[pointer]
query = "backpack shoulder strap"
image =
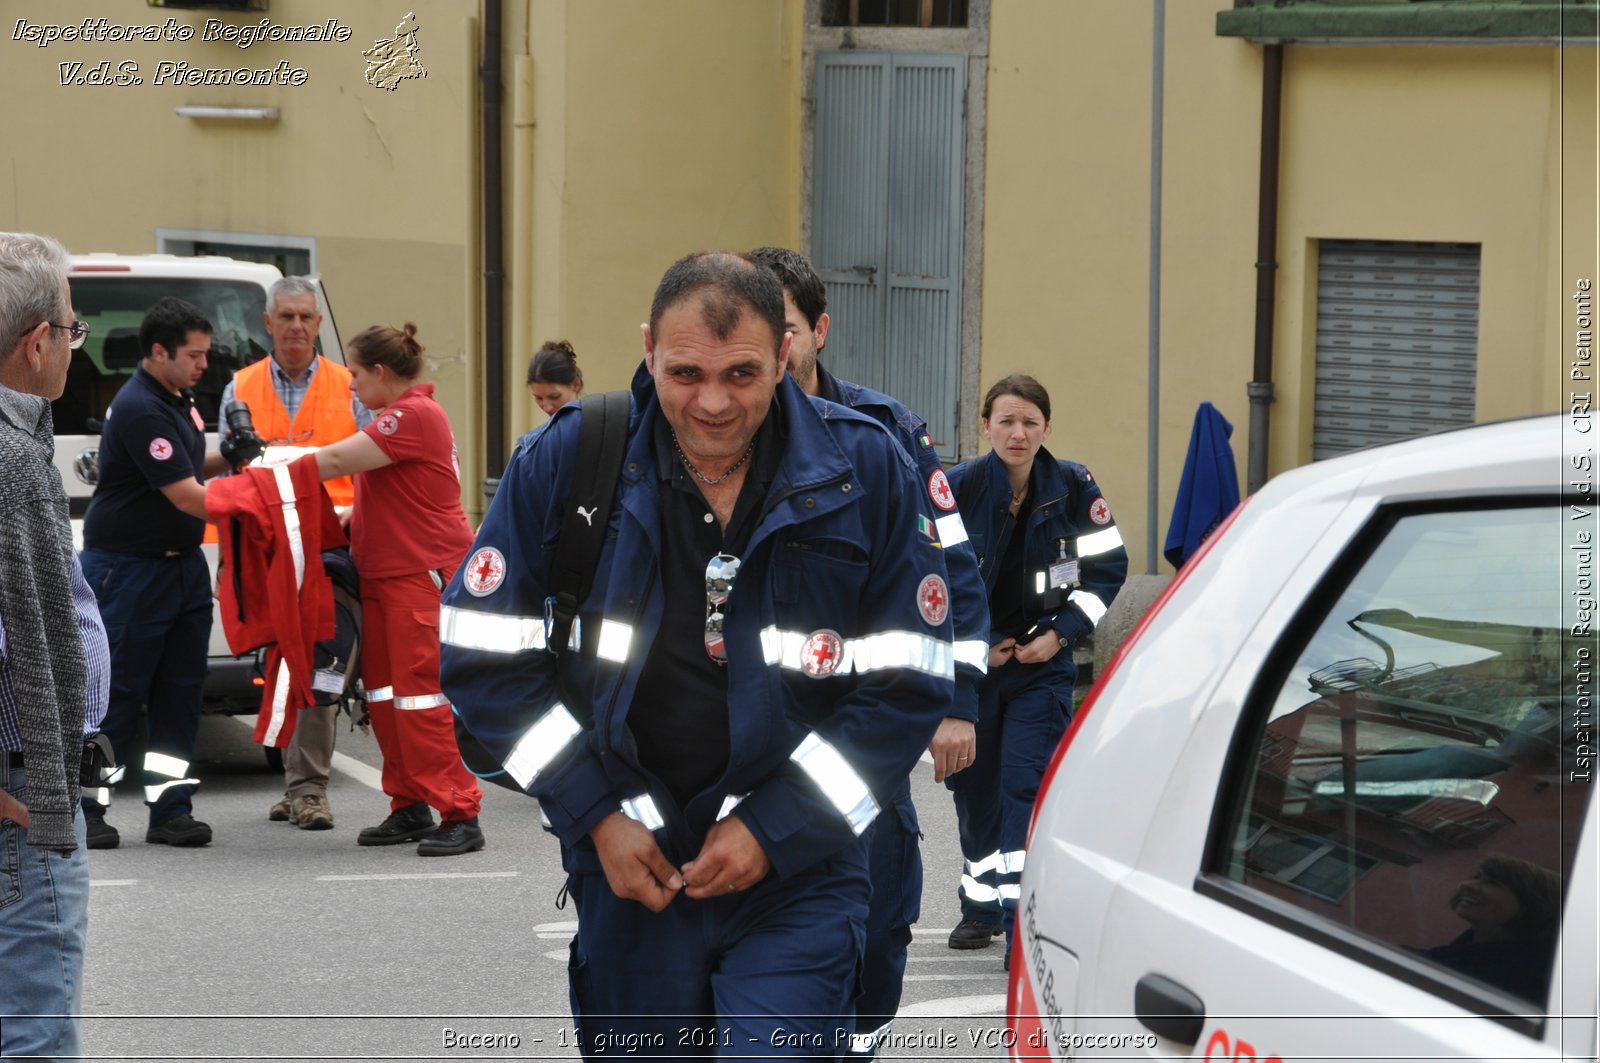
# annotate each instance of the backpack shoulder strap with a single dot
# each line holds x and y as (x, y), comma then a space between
(602, 442)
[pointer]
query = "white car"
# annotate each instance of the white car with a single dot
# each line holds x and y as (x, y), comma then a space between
(1334, 797)
(111, 294)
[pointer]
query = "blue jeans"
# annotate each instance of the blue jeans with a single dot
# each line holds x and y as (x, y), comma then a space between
(44, 919)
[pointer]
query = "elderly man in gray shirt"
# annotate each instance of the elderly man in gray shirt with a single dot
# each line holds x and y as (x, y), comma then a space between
(54, 666)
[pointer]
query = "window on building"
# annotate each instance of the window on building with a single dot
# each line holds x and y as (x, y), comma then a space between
(1403, 782)
(295, 256)
(1397, 341)
(923, 14)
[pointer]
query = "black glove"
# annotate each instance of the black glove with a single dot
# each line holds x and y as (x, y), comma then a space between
(241, 448)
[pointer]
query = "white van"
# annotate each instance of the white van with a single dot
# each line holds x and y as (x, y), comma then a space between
(111, 293)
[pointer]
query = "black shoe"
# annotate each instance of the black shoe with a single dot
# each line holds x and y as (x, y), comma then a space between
(182, 830)
(102, 835)
(454, 837)
(974, 934)
(405, 825)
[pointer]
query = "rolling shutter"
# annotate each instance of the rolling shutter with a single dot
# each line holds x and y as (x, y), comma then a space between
(1397, 341)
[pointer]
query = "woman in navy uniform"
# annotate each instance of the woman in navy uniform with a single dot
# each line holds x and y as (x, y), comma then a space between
(1052, 560)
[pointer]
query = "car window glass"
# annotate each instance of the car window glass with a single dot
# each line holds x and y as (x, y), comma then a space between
(1408, 783)
(114, 304)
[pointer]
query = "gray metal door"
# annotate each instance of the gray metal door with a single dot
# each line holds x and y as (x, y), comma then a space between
(886, 224)
(1397, 341)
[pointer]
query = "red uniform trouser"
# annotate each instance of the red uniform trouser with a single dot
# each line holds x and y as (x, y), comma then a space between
(411, 718)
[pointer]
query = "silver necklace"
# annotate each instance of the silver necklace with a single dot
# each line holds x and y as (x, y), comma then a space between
(702, 477)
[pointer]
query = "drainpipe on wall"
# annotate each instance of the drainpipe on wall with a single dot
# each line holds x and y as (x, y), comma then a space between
(494, 274)
(1153, 324)
(1260, 388)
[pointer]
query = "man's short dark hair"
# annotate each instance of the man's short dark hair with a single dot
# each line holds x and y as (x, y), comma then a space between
(794, 271)
(726, 284)
(169, 323)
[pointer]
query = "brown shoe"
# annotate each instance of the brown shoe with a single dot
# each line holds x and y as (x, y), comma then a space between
(280, 812)
(312, 812)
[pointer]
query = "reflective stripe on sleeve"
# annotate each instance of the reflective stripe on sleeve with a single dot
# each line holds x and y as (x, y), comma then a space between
(421, 701)
(539, 745)
(730, 803)
(380, 694)
(615, 640)
(837, 781)
(867, 653)
(974, 653)
(952, 530)
(642, 809)
(1099, 542)
(491, 632)
(291, 521)
(279, 710)
(1090, 603)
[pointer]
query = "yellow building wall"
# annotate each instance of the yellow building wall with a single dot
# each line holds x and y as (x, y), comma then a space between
(1066, 228)
(1448, 144)
(657, 130)
(379, 178)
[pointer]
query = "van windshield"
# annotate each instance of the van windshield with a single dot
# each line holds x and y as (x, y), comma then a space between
(114, 304)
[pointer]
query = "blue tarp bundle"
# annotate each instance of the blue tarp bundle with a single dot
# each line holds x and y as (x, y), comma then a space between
(1209, 489)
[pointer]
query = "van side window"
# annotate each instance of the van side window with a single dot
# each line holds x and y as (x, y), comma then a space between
(1405, 779)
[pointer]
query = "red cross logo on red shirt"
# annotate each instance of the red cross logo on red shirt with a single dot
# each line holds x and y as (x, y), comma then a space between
(933, 599)
(485, 571)
(820, 656)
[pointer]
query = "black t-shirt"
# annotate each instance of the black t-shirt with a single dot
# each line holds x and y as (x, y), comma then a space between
(679, 716)
(151, 438)
(1010, 583)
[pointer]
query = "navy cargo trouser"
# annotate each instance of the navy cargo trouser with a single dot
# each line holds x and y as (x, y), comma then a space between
(768, 971)
(895, 864)
(1023, 710)
(157, 612)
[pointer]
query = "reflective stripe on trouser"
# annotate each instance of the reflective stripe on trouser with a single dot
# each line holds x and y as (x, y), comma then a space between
(171, 772)
(157, 612)
(767, 971)
(1022, 714)
(410, 718)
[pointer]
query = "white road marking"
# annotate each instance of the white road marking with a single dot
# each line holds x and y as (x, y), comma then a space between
(113, 882)
(361, 773)
(571, 927)
(952, 1007)
(358, 771)
(418, 875)
(559, 957)
(981, 957)
(997, 973)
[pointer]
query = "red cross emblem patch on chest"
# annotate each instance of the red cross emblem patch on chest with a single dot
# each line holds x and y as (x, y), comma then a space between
(821, 654)
(933, 599)
(485, 571)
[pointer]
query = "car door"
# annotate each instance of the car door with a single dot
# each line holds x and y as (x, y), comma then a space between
(1382, 817)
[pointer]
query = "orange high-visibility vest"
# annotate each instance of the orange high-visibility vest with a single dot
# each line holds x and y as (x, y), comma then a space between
(324, 416)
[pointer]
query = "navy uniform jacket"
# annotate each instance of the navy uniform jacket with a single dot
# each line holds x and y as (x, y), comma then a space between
(838, 635)
(1067, 505)
(968, 599)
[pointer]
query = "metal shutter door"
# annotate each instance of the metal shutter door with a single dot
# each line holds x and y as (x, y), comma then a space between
(1397, 341)
(886, 230)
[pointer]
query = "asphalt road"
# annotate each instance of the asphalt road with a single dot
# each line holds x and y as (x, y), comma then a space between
(274, 943)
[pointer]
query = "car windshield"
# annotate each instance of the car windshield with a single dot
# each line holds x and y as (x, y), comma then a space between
(114, 304)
